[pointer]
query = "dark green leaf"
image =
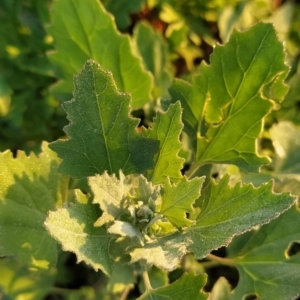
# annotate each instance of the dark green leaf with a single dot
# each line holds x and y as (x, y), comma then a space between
(228, 211)
(122, 10)
(267, 265)
(102, 135)
(188, 286)
(87, 31)
(155, 54)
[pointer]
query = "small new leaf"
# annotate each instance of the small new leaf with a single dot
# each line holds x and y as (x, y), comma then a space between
(116, 196)
(73, 227)
(102, 135)
(177, 200)
(110, 193)
(228, 211)
(188, 286)
(163, 252)
(125, 229)
(167, 129)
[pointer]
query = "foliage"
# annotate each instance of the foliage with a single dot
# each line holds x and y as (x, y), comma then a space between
(181, 155)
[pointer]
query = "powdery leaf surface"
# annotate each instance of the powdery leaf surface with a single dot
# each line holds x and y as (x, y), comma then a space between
(102, 136)
(110, 193)
(164, 252)
(114, 195)
(73, 227)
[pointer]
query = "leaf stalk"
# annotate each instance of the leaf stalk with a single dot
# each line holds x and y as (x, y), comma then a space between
(221, 260)
(146, 280)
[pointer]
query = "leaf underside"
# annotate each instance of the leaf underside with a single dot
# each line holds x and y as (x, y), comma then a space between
(73, 227)
(162, 252)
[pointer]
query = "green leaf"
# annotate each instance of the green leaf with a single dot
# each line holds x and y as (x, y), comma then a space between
(117, 196)
(188, 286)
(122, 10)
(221, 290)
(192, 106)
(244, 76)
(164, 252)
(167, 129)
(285, 167)
(125, 229)
(155, 54)
(233, 96)
(266, 266)
(29, 187)
(228, 211)
(110, 193)
(177, 200)
(85, 32)
(102, 135)
(17, 282)
(230, 18)
(123, 275)
(289, 107)
(73, 227)
(157, 277)
(286, 140)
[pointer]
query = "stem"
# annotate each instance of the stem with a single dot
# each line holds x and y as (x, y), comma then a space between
(146, 280)
(209, 264)
(221, 260)
(160, 216)
(191, 172)
(125, 292)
